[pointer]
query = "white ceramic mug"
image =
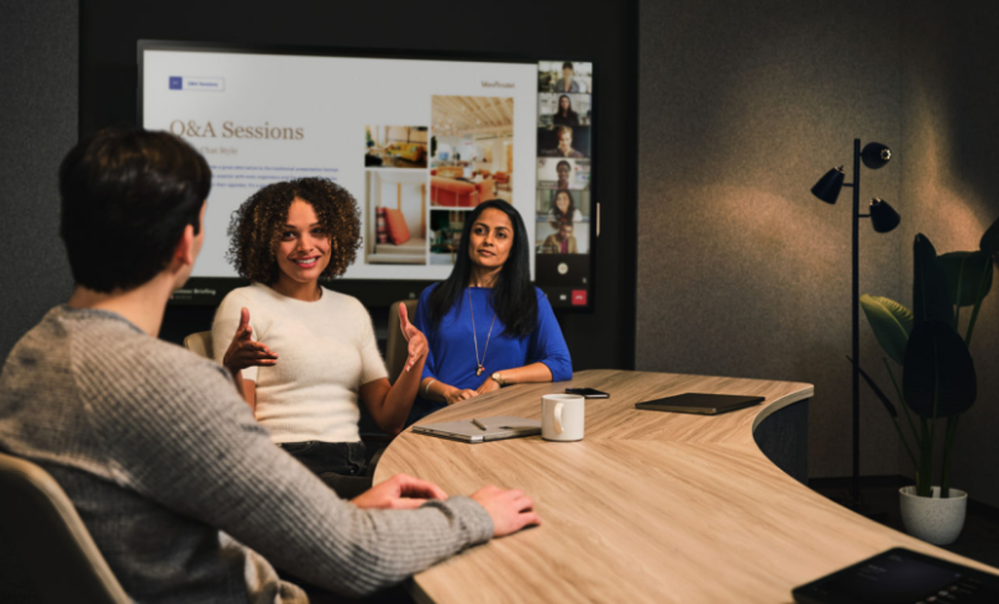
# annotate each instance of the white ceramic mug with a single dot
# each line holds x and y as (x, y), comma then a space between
(562, 417)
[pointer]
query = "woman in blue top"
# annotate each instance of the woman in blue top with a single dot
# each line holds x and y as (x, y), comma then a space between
(486, 325)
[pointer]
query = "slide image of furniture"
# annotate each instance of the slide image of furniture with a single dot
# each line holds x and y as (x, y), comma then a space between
(455, 193)
(395, 217)
(472, 143)
(445, 235)
(395, 147)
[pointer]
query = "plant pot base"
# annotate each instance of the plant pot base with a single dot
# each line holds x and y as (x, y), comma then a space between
(932, 519)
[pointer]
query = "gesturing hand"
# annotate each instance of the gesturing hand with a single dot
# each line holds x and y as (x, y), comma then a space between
(243, 352)
(417, 341)
(401, 492)
(510, 510)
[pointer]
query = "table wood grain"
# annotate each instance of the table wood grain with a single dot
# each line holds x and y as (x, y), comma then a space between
(648, 507)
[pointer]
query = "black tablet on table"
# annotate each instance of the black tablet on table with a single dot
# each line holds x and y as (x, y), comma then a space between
(704, 404)
(901, 576)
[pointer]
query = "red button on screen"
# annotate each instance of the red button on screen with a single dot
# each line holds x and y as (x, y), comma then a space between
(579, 297)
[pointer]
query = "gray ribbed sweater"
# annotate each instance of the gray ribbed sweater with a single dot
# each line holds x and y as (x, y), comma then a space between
(172, 476)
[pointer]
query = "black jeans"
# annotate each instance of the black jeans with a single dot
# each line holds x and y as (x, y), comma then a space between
(342, 466)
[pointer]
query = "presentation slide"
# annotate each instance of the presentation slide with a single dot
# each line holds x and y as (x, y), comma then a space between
(419, 143)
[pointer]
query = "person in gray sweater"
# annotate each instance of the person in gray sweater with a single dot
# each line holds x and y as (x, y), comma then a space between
(183, 492)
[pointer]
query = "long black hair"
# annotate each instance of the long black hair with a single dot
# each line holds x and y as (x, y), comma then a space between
(513, 296)
(569, 118)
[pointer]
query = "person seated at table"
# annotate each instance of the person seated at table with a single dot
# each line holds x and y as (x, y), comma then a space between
(565, 116)
(486, 325)
(563, 209)
(562, 242)
(306, 355)
(181, 490)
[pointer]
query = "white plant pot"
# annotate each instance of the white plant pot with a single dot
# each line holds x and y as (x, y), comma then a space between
(932, 519)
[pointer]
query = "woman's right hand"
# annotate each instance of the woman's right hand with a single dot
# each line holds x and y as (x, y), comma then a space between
(454, 395)
(244, 352)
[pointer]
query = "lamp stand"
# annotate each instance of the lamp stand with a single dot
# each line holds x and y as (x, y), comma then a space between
(855, 500)
(884, 219)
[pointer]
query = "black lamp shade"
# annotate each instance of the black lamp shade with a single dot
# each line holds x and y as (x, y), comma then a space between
(875, 155)
(884, 218)
(828, 187)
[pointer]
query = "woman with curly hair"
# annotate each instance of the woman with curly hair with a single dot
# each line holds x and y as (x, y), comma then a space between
(303, 355)
(487, 325)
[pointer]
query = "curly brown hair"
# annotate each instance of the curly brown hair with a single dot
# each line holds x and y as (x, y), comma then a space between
(256, 227)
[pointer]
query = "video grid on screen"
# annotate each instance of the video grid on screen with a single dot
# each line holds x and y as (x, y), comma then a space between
(564, 210)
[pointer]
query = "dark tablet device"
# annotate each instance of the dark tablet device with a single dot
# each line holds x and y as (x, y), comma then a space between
(587, 392)
(705, 404)
(900, 576)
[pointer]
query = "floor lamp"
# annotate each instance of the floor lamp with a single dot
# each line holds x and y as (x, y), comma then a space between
(884, 218)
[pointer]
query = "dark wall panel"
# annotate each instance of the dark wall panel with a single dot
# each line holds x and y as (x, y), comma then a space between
(742, 107)
(951, 144)
(38, 108)
(741, 270)
(38, 123)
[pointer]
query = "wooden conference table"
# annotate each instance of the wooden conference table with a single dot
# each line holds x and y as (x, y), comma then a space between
(648, 507)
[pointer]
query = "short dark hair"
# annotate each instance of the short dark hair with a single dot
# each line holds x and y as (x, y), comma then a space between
(256, 227)
(513, 296)
(568, 65)
(563, 163)
(127, 196)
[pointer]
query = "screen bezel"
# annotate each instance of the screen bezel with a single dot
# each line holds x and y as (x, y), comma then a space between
(209, 291)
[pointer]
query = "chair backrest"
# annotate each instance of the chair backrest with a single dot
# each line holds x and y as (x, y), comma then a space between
(200, 343)
(50, 540)
(396, 347)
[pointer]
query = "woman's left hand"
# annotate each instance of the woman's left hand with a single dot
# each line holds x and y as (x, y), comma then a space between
(488, 386)
(417, 341)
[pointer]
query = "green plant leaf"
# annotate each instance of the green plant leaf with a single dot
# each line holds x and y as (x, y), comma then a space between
(971, 271)
(877, 391)
(891, 323)
(989, 244)
(931, 300)
(938, 377)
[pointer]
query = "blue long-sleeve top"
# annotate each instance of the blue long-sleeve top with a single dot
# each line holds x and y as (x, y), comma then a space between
(451, 358)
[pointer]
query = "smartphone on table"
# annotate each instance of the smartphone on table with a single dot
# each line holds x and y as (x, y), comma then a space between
(587, 392)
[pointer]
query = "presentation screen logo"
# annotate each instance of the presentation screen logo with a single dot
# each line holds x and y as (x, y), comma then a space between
(191, 83)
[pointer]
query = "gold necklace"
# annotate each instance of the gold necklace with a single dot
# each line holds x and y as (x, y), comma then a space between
(479, 363)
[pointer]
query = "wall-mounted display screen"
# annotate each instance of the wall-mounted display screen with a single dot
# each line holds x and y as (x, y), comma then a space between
(418, 142)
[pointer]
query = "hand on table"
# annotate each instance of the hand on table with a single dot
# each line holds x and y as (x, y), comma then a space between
(488, 386)
(454, 395)
(243, 352)
(510, 510)
(417, 341)
(401, 492)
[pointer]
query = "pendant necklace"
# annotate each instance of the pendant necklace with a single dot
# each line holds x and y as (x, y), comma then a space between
(480, 364)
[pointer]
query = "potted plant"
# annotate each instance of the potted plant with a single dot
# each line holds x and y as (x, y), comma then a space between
(938, 373)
